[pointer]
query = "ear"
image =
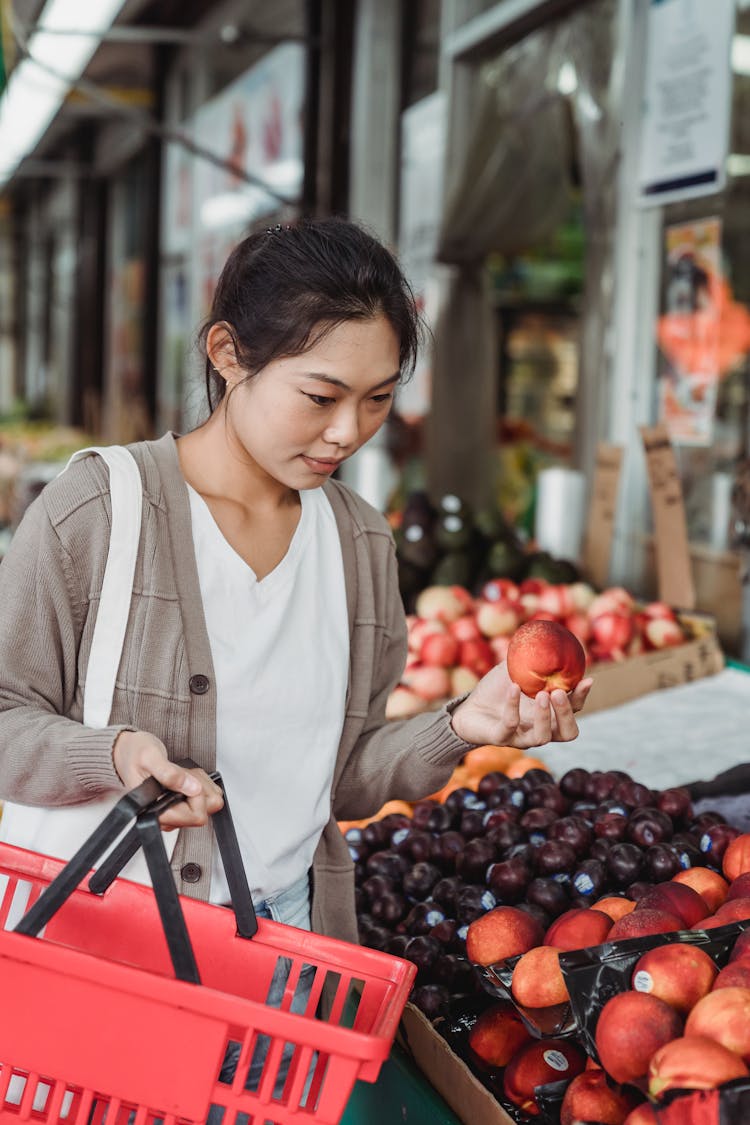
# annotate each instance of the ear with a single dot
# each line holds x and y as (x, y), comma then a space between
(221, 352)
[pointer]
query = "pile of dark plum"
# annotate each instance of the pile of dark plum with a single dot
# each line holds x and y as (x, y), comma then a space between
(531, 842)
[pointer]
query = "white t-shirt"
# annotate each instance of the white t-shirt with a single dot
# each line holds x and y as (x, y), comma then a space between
(280, 650)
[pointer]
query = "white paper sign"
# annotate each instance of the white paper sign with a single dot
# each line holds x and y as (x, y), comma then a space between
(687, 99)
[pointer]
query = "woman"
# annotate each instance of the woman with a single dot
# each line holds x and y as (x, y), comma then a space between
(266, 629)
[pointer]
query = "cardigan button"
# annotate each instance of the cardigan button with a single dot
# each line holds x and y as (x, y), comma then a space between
(199, 684)
(191, 872)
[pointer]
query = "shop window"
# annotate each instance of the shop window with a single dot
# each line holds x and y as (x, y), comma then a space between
(703, 328)
(534, 201)
(421, 49)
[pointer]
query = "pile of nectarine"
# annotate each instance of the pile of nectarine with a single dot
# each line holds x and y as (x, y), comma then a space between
(455, 638)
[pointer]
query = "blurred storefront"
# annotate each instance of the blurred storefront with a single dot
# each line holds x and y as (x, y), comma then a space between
(503, 148)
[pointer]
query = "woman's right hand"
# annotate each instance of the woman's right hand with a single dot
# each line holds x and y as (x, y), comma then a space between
(137, 755)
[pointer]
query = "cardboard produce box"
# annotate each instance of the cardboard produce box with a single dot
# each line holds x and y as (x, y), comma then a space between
(620, 681)
(451, 1077)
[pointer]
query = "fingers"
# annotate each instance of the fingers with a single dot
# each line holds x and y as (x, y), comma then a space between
(566, 727)
(580, 693)
(196, 810)
(138, 755)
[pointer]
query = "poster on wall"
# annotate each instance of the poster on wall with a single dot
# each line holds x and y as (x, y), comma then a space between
(688, 331)
(703, 333)
(256, 128)
(687, 99)
(422, 151)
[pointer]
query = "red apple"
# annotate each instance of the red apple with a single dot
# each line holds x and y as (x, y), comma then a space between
(463, 680)
(680, 974)
(723, 1015)
(630, 1028)
(403, 703)
(442, 603)
(739, 887)
(497, 619)
(500, 646)
(421, 629)
(659, 609)
(615, 599)
(544, 655)
(579, 625)
(581, 596)
(662, 632)
(536, 1064)
(431, 683)
(498, 588)
(612, 630)
(692, 1062)
(465, 628)
(556, 600)
(476, 655)
(439, 650)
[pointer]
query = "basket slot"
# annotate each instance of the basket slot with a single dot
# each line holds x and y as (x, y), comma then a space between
(299, 1071)
(351, 1012)
(16, 899)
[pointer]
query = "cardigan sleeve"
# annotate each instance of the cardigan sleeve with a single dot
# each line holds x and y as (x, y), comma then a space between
(405, 759)
(46, 758)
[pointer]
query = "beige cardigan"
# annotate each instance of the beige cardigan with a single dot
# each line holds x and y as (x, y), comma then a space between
(50, 582)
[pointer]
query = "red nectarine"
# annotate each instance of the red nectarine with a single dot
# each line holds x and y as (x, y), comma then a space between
(631, 1026)
(692, 1062)
(676, 898)
(678, 973)
(503, 932)
(736, 859)
(589, 1097)
(537, 979)
(579, 928)
(709, 884)
(723, 1015)
(499, 1032)
(734, 975)
(639, 923)
(544, 655)
(539, 1062)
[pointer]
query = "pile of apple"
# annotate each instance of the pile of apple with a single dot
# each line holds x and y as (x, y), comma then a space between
(455, 638)
(683, 1024)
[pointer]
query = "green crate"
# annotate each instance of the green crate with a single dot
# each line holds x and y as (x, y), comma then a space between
(401, 1096)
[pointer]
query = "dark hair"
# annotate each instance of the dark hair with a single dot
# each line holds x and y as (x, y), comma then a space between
(284, 288)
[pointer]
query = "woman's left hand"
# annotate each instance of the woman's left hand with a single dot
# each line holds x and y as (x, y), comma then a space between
(496, 713)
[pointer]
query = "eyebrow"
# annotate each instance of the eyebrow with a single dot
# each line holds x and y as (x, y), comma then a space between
(345, 386)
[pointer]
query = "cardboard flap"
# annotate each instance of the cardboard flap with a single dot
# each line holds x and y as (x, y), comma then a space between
(674, 571)
(597, 545)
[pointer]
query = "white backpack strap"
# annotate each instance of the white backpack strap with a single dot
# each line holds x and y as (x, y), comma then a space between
(126, 492)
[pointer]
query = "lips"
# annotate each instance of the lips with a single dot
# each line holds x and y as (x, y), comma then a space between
(321, 465)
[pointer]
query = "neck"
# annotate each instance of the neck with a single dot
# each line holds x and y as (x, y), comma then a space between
(214, 463)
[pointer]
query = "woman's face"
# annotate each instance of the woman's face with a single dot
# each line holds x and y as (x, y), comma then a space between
(301, 416)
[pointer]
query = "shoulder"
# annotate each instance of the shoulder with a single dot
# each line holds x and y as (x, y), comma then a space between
(349, 506)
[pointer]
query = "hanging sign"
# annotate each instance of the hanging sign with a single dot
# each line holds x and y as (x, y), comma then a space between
(687, 99)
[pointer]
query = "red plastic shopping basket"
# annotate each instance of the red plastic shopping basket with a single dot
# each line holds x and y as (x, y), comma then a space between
(95, 1027)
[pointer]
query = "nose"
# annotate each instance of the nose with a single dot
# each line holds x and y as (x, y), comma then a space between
(343, 427)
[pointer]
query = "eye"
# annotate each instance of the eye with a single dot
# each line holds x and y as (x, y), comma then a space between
(321, 400)
(380, 399)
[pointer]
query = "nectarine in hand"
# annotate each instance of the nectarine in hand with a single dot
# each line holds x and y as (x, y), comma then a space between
(543, 656)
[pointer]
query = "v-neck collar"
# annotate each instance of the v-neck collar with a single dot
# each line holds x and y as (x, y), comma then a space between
(286, 566)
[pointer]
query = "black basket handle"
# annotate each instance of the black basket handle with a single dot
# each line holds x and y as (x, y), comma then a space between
(144, 805)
